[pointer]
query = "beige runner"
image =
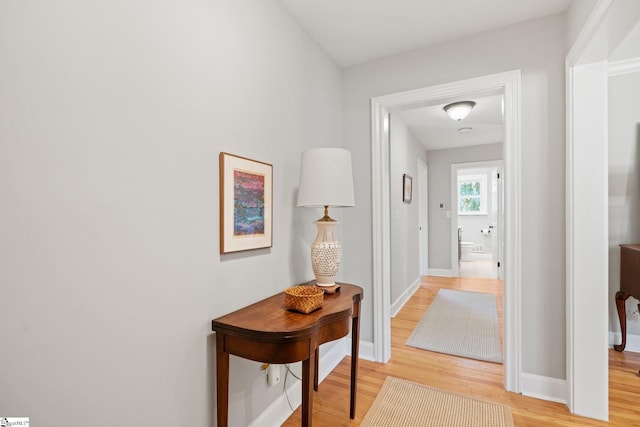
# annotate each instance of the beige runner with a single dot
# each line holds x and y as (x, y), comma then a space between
(404, 403)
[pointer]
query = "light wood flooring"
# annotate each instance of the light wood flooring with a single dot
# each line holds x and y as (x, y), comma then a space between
(460, 375)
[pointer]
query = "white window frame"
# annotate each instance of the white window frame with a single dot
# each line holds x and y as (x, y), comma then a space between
(482, 178)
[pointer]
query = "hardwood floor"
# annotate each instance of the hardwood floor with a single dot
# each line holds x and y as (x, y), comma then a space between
(460, 375)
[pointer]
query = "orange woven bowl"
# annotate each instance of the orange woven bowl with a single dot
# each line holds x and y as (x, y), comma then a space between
(303, 299)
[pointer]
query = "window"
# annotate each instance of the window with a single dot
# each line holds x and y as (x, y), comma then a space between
(472, 194)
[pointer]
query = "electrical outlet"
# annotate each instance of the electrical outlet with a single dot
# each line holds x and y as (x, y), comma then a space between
(273, 374)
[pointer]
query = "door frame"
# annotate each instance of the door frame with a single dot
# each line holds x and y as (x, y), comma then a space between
(587, 204)
(455, 167)
(423, 216)
(510, 83)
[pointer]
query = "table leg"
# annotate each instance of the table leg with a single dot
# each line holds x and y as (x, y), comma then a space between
(355, 345)
(307, 389)
(621, 297)
(639, 311)
(222, 382)
(315, 370)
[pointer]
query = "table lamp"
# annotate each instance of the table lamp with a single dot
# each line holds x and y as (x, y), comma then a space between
(326, 179)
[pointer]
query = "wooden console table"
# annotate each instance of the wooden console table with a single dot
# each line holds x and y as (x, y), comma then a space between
(629, 286)
(267, 332)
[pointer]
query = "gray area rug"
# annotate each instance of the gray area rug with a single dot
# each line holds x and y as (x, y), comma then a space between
(460, 323)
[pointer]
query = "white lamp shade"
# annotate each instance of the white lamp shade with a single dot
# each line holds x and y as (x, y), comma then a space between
(459, 110)
(326, 178)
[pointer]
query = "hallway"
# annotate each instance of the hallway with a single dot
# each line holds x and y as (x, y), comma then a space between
(465, 376)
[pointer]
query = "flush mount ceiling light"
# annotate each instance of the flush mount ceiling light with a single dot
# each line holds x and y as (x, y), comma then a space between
(459, 110)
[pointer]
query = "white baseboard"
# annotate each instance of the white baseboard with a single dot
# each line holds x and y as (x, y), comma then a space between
(544, 388)
(440, 272)
(402, 300)
(633, 341)
(365, 351)
(479, 255)
(278, 412)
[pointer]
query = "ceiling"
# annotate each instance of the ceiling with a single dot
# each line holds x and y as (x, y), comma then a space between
(355, 31)
(436, 130)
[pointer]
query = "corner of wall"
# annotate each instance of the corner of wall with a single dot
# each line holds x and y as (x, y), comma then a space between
(397, 305)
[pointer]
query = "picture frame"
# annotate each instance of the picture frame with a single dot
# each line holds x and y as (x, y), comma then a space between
(407, 184)
(246, 204)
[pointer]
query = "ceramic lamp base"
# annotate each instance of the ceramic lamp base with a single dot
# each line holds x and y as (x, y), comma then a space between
(326, 253)
(326, 285)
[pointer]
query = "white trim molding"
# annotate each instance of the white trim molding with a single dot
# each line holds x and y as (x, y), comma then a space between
(544, 388)
(365, 351)
(440, 272)
(381, 233)
(633, 341)
(587, 242)
(587, 73)
(509, 84)
(279, 411)
(626, 66)
(402, 300)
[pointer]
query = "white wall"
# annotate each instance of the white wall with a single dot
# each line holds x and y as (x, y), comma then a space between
(629, 48)
(439, 162)
(509, 48)
(577, 15)
(624, 184)
(405, 246)
(112, 115)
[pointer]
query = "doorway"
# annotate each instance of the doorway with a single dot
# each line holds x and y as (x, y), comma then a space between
(587, 192)
(508, 84)
(477, 215)
(423, 217)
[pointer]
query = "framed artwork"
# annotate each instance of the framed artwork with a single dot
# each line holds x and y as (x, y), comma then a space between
(246, 204)
(407, 183)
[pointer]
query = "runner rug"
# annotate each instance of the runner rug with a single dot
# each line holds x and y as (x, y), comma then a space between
(402, 403)
(460, 323)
